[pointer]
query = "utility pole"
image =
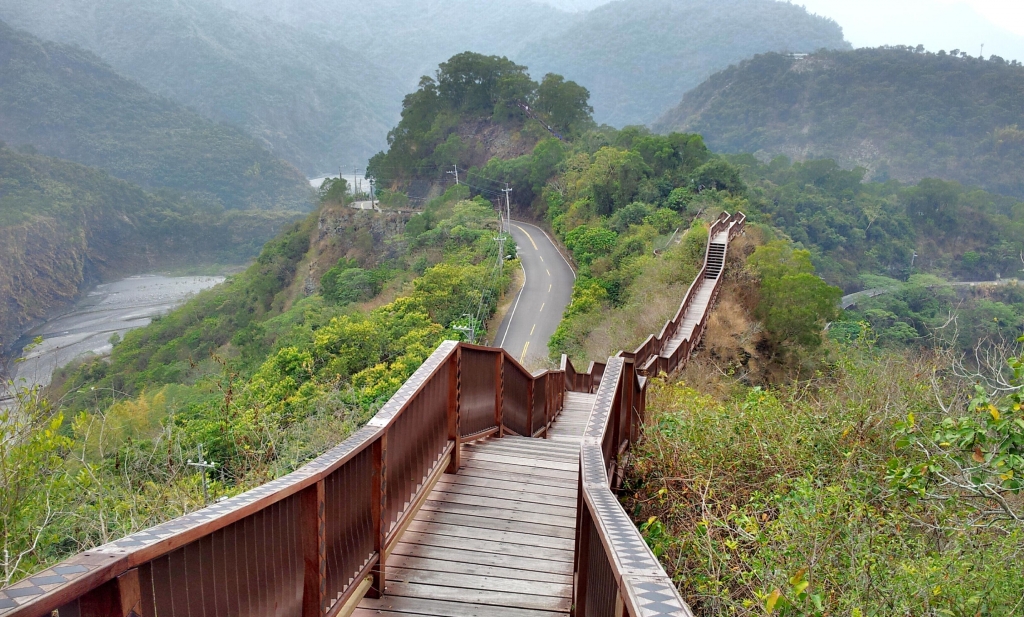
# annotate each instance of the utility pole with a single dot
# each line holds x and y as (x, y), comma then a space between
(373, 193)
(501, 253)
(355, 180)
(508, 208)
(203, 465)
(469, 330)
(456, 172)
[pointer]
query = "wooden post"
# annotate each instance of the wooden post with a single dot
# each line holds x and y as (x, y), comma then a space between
(121, 597)
(582, 557)
(499, 365)
(313, 530)
(379, 512)
(548, 389)
(454, 404)
(530, 389)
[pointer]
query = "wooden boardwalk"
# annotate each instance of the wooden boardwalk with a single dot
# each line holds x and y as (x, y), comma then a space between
(698, 308)
(496, 538)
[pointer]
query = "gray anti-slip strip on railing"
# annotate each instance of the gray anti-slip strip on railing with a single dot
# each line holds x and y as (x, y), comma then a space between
(640, 576)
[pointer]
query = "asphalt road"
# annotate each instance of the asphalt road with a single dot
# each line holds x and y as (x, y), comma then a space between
(851, 299)
(538, 308)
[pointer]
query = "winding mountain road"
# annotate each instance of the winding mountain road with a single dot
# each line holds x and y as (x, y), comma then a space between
(538, 308)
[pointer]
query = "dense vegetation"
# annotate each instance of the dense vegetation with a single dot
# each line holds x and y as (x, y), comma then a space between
(900, 113)
(925, 308)
(259, 373)
(826, 497)
(66, 103)
(64, 226)
(861, 228)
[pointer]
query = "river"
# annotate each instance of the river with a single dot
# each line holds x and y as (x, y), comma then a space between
(106, 310)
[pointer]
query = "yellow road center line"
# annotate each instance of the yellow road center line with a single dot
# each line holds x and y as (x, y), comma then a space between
(523, 356)
(549, 288)
(541, 258)
(542, 307)
(528, 236)
(532, 329)
(548, 271)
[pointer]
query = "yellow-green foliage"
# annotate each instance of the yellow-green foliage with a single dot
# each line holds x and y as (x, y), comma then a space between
(776, 501)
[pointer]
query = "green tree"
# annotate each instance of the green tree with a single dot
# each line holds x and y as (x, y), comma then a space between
(33, 482)
(565, 103)
(795, 304)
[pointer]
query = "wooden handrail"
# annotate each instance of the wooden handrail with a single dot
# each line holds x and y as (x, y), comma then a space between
(313, 542)
(615, 572)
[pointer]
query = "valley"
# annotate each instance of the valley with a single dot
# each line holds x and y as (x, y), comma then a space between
(98, 321)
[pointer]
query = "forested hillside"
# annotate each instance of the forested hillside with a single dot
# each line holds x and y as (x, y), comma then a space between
(638, 57)
(899, 113)
(65, 102)
(64, 226)
(313, 102)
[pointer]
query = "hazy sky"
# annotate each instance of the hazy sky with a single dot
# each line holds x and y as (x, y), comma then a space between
(936, 24)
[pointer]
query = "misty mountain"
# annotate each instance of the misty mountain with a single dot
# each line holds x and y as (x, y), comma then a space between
(410, 37)
(638, 57)
(899, 114)
(66, 103)
(320, 82)
(312, 101)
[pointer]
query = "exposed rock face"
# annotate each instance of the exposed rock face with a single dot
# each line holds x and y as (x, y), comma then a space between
(368, 237)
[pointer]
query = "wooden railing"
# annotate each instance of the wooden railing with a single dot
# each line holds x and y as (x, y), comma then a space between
(652, 356)
(615, 572)
(314, 542)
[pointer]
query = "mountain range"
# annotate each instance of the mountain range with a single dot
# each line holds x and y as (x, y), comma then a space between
(319, 82)
(65, 102)
(900, 113)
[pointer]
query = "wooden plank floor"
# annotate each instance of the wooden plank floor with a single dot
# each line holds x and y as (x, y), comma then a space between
(496, 538)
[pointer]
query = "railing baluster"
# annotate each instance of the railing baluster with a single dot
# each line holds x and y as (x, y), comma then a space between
(313, 528)
(499, 367)
(120, 597)
(454, 417)
(380, 525)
